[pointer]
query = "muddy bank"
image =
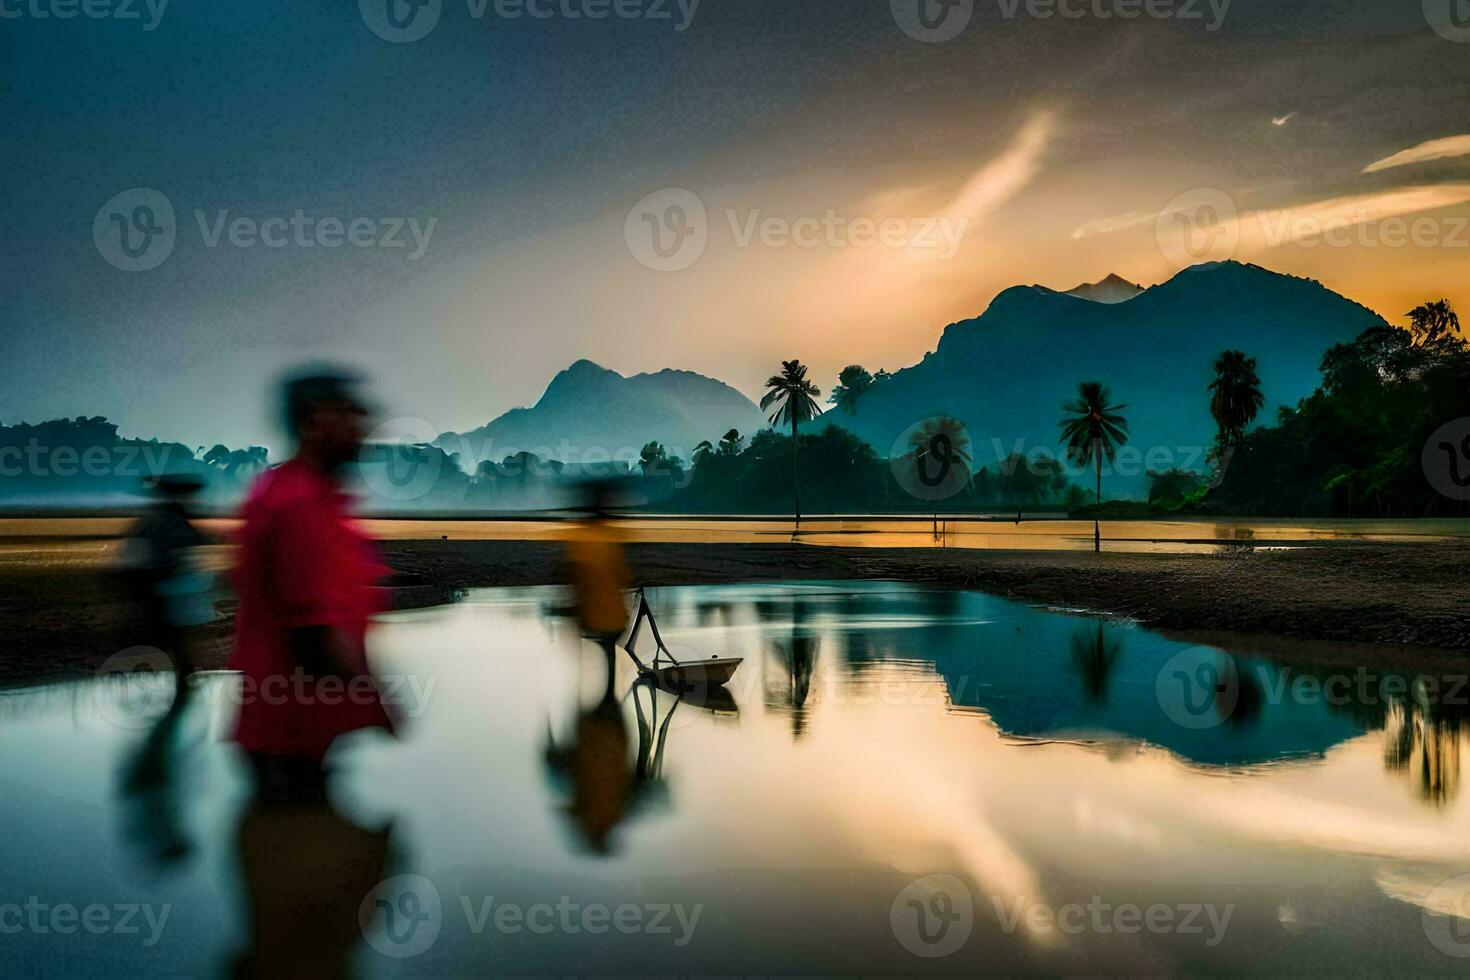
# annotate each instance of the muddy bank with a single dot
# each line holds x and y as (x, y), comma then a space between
(1402, 604)
(1398, 594)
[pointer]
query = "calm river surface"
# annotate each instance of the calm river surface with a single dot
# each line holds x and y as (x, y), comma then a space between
(899, 781)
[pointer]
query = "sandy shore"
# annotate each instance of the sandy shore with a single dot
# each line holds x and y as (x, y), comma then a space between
(1409, 600)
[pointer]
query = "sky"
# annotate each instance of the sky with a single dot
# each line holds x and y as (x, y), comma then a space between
(461, 198)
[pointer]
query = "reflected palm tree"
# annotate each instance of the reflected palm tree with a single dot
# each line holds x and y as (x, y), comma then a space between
(1250, 698)
(1094, 656)
(797, 658)
(1424, 749)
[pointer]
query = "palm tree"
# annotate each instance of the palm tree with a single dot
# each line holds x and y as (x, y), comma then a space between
(1093, 429)
(851, 383)
(795, 400)
(732, 443)
(1237, 396)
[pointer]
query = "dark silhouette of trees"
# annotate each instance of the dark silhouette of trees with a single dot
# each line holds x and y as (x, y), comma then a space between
(852, 382)
(1431, 323)
(1354, 447)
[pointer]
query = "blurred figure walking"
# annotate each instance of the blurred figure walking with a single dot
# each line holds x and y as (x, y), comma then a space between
(306, 583)
(599, 572)
(171, 589)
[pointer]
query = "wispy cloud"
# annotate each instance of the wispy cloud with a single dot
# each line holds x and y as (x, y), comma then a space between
(1280, 226)
(1443, 149)
(1118, 222)
(1006, 175)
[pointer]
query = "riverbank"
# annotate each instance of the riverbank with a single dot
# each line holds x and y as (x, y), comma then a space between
(63, 616)
(1406, 595)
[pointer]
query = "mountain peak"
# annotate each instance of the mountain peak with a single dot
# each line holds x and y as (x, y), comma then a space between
(1112, 289)
(584, 366)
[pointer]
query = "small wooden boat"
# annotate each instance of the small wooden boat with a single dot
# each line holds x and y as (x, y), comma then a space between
(696, 675)
(670, 673)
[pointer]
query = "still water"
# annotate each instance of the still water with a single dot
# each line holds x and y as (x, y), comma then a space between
(899, 780)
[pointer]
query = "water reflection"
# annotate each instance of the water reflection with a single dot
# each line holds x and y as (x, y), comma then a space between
(1024, 751)
(1424, 749)
(1094, 656)
(790, 669)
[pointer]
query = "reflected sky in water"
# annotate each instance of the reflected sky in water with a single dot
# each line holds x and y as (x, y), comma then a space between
(875, 734)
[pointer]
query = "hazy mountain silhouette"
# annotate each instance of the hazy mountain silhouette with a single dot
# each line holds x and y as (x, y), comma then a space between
(1006, 373)
(1113, 289)
(588, 407)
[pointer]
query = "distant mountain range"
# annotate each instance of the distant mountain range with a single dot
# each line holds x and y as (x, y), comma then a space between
(590, 413)
(1006, 373)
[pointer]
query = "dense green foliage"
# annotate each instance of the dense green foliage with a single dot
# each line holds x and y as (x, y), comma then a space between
(841, 473)
(1353, 448)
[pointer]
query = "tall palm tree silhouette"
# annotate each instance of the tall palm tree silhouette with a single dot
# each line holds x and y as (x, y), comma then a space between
(1237, 397)
(792, 398)
(1093, 429)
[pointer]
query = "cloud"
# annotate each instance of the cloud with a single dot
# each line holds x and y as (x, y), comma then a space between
(1106, 226)
(1305, 222)
(1006, 175)
(1451, 146)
